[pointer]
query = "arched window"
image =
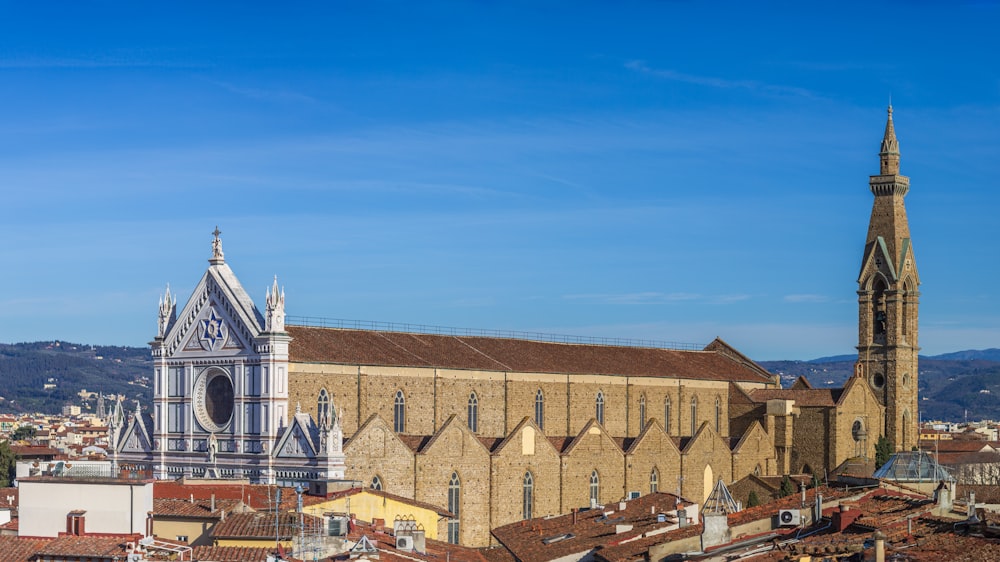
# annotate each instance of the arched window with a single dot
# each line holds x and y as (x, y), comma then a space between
(718, 415)
(666, 414)
(454, 506)
(323, 407)
(473, 413)
(399, 413)
(529, 495)
(654, 481)
(642, 412)
(599, 407)
(595, 488)
(376, 483)
(540, 409)
(694, 415)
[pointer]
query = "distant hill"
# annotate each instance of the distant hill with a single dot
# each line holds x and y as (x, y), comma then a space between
(45, 376)
(991, 354)
(953, 386)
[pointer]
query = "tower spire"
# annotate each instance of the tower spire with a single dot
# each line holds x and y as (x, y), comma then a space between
(889, 152)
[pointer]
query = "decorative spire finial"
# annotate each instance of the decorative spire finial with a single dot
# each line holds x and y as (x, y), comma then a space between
(889, 152)
(168, 314)
(217, 256)
(274, 320)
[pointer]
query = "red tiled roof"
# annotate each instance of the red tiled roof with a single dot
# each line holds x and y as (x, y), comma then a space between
(231, 553)
(263, 525)
(257, 496)
(396, 349)
(415, 442)
(200, 508)
(8, 497)
(16, 549)
(86, 546)
(527, 539)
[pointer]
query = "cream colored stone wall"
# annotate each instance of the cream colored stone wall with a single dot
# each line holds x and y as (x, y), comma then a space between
(527, 450)
(583, 391)
(522, 388)
(375, 450)
(378, 394)
(453, 393)
(595, 450)
(655, 449)
(456, 450)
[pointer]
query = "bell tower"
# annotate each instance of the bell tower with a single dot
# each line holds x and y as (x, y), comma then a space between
(888, 298)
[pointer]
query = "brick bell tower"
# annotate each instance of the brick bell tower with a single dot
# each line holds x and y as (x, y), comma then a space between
(888, 298)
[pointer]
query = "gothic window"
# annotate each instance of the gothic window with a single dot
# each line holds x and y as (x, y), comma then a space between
(666, 414)
(323, 406)
(718, 415)
(595, 488)
(399, 413)
(654, 481)
(473, 413)
(642, 412)
(529, 498)
(376, 483)
(599, 403)
(879, 317)
(694, 415)
(756, 470)
(540, 409)
(454, 506)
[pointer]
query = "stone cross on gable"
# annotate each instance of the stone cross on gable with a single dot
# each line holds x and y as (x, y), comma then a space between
(217, 245)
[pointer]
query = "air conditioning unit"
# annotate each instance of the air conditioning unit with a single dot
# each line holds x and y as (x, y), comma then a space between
(634, 495)
(789, 517)
(404, 542)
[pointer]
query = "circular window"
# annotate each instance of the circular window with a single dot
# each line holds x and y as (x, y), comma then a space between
(213, 400)
(858, 431)
(878, 380)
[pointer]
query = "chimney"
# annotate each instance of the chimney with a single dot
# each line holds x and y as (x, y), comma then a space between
(574, 516)
(192, 498)
(879, 546)
(212, 508)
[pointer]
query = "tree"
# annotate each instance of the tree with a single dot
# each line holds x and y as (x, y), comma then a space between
(23, 433)
(752, 499)
(883, 450)
(8, 465)
(787, 488)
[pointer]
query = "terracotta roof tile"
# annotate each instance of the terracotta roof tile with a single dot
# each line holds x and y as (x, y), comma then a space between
(263, 525)
(86, 546)
(200, 508)
(231, 553)
(16, 549)
(352, 347)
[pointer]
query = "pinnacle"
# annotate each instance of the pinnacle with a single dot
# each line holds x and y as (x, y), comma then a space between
(889, 143)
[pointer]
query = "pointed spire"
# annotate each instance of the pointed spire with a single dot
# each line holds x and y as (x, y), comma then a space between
(218, 257)
(168, 314)
(889, 152)
(274, 320)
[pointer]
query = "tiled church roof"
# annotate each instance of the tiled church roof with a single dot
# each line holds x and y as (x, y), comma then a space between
(397, 349)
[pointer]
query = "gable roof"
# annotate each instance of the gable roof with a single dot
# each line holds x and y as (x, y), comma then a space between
(603, 434)
(399, 349)
(525, 421)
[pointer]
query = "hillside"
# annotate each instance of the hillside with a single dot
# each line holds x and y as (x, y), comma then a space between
(45, 376)
(951, 385)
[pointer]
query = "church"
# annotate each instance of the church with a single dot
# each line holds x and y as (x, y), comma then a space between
(499, 429)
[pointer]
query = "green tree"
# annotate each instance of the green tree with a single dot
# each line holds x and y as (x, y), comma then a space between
(883, 450)
(752, 499)
(23, 433)
(787, 488)
(8, 466)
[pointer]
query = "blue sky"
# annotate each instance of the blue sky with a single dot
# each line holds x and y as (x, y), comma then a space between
(661, 170)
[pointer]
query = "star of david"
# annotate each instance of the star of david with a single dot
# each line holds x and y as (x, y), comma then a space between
(212, 330)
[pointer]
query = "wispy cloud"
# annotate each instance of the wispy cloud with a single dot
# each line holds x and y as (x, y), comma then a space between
(652, 297)
(99, 61)
(753, 86)
(806, 298)
(264, 94)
